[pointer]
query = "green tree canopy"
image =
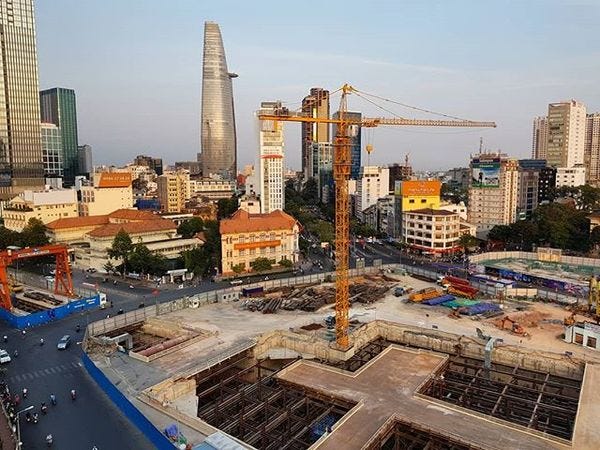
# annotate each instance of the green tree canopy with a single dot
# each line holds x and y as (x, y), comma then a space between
(189, 228)
(121, 248)
(285, 263)
(261, 264)
(202, 260)
(142, 260)
(33, 234)
(226, 207)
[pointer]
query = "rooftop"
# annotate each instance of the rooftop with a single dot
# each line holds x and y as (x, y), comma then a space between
(144, 226)
(432, 212)
(243, 222)
(77, 222)
(132, 214)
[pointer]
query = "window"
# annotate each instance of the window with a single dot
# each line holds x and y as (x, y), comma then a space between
(412, 200)
(579, 338)
(423, 200)
(591, 342)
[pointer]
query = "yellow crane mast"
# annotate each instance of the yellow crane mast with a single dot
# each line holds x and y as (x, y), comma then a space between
(341, 174)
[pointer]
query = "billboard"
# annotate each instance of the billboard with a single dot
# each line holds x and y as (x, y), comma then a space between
(418, 188)
(485, 173)
(114, 180)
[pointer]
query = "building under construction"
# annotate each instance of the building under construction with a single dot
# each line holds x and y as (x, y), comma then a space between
(398, 387)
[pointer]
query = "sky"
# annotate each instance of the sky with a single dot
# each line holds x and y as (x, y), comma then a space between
(136, 67)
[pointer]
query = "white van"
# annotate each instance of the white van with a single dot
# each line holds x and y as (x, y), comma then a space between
(236, 281)
(103, 301)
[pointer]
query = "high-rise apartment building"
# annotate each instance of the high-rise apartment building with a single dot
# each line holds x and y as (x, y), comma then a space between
(540, 138)
(529, 184)
(218, 138)
(21, 162)
(86, 164)
(316, 104)
(173, 191)
(592, 149)
(52, 151)
(566, 134)
(373, 183)
(320, 167)
(399, 172)
(355, 141)
(272, 186)
(494, 191)
(58, 106)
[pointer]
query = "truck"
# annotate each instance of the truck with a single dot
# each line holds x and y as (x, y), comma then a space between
(102, 297)
(253, 291)
(425, 294)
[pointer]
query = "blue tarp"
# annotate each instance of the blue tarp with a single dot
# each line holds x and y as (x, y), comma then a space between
(480, 308)
(439, 300)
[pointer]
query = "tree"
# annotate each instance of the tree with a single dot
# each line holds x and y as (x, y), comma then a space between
(500, 233)
(467, 241)
(261, 264)
(189, 228)
(109, 267)
(142, 260)
(34, 234)
(226, 207)
(238, 268)
(286, 263)
(202, 260)
(8, 237)
(310, 193)
(595, 238)
(121, 248)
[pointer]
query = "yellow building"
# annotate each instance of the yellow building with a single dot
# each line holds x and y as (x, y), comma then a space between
(173, 191)
(44, 205)
(418, 194)
(111, 191)
(246, 237)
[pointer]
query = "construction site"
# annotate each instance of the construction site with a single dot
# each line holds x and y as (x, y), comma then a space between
(264, 371)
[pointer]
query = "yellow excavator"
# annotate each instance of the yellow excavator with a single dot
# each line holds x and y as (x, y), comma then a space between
(14, 285)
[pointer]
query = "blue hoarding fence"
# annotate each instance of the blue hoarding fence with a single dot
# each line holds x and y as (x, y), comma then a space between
(41, 317)
(131, 412)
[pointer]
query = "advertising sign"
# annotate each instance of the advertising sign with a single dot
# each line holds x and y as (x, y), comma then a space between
(485, 173)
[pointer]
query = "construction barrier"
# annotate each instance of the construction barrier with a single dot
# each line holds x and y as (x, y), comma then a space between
(42, 317)
(158, 439)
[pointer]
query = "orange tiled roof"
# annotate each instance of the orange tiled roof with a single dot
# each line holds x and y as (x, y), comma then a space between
(144, 226)
(77, 222)
(132, 214)
(243, 222)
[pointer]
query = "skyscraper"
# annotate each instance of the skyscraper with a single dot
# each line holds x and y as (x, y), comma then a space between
(272, 187)
(316, 104)
(58, 106)
(217, 125)
(52, 150)
(566, 133)
(21, 163)
(354, 132)
(86, 165)
(540, 137)
(592, 149)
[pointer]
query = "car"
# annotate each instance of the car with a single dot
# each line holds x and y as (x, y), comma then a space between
(4, 357)
(91, 270)
(64, 342)
(237, 281)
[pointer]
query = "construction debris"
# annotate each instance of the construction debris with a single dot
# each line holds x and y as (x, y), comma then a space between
(367, 289)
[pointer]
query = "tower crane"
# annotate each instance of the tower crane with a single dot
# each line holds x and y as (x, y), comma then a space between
(341, 174)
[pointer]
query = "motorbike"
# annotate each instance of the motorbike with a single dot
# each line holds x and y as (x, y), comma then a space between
(73, 395)
(53, 399)
(25, 392)
(16, 353)
(35, 418)
(41, 341)
(28, 416)
(44, 408)
(78, 328)
(49, 440)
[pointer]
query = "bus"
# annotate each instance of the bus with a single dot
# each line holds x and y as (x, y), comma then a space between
(494, 282)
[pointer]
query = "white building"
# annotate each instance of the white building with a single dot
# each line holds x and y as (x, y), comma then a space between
(431, 230)
(271, 156)
(212, 188)
(566, 134)
(570, 176)
(373, 183)
(456, 208)
(586, 334)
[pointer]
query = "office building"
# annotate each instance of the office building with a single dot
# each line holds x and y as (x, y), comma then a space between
(355, 141)
(529, 186)
(540, 138)
(155, 164)
(193, 167)
(566, 134)
(212, 189)
(271, 157)
(372, 184)
(320, 167)
(110, 191)
(431, 231)
(86, 164)
(316, 104)
(546, 185)
(52, 151)
(58, 106)
(592, 149)
(570, 176)
(173, 191)
(494, 191)
(218, 138)
(45, 206)
(21, 161)
(246, 237)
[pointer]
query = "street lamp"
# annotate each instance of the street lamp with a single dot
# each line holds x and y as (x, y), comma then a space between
(19, 443)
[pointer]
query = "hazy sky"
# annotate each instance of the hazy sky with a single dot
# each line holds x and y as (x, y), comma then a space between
(136, 68)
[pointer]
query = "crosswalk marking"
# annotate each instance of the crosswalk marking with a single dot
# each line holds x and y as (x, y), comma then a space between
(65, 370)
